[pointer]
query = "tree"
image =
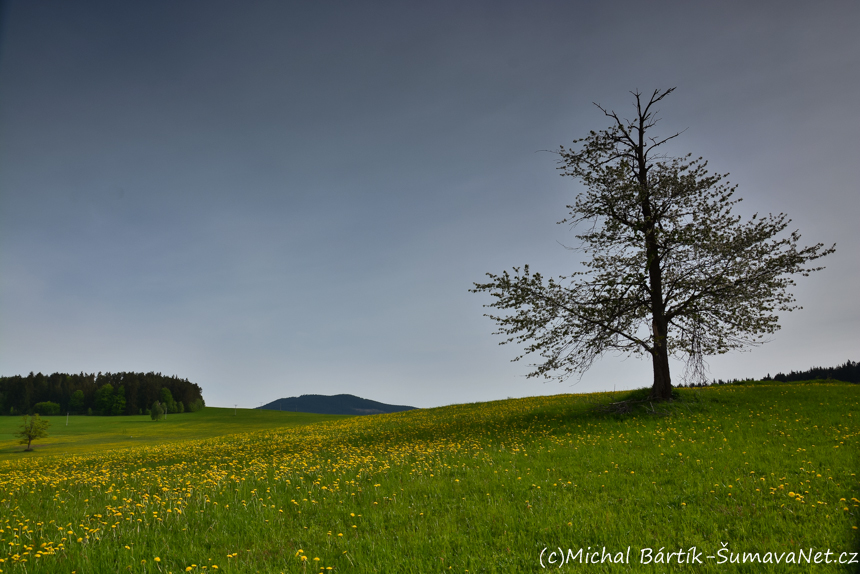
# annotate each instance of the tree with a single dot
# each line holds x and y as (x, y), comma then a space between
(167, 400)
(157, 411)
(118, 406)
(673, 272)
(77, 402)
(32, 428)
(104, 399)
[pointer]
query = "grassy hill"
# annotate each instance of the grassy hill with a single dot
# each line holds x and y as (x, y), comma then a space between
(487, 487)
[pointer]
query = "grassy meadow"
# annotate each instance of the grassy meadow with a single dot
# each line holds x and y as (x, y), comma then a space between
(506, 486)
(85, 434)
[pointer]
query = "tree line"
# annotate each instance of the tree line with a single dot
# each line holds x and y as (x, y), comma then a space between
(848, 373)
(97, 394)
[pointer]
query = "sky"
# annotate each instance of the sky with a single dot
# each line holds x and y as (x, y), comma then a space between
(281, 198)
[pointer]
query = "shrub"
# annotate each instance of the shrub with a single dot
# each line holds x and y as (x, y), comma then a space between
(47, 408)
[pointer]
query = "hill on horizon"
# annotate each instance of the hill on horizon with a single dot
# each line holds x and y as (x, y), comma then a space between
(334, 405)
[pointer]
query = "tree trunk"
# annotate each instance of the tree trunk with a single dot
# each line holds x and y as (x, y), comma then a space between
(662, 389)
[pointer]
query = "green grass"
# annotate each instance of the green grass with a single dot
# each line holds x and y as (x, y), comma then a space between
(85, 434)
(482, 487)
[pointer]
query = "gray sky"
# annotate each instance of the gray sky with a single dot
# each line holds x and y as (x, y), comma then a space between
(273, 199)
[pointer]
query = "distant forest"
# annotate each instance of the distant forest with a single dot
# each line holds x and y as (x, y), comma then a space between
(101, 394)
(847, 373)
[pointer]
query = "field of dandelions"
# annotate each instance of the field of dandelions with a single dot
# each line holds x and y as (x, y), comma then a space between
(487, 487)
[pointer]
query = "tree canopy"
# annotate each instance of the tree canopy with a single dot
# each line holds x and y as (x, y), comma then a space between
(671, 271)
